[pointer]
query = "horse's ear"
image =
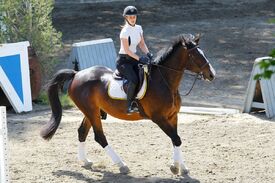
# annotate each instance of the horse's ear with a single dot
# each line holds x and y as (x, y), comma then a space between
(197, 38)
(184, 43)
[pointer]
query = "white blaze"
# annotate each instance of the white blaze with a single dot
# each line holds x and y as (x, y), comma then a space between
(210, 66)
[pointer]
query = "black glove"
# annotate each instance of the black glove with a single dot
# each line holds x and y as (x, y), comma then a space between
(144, 60)
(150, 55)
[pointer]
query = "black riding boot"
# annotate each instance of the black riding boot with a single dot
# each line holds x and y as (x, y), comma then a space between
(131, 107)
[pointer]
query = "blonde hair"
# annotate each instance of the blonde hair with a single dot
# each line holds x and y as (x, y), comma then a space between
(122, 26)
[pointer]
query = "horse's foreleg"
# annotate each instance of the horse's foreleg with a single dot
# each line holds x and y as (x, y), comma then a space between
(83, 131)
(170, 128)
(101, 139)
(178, 162)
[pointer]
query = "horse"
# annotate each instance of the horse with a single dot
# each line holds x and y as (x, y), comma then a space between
(161, 103)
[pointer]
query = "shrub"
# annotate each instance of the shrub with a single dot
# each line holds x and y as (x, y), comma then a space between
(65, 100)
(267, 65)
(30, 20)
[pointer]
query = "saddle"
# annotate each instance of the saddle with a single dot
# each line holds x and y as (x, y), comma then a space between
(117, 86)
(141, 74)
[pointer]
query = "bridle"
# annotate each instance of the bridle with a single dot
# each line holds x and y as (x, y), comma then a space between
(197, 76)
(192, 60)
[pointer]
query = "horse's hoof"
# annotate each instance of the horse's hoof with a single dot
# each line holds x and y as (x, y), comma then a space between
(87, 163)
(174, 169)
(184, 171)
(124, 170)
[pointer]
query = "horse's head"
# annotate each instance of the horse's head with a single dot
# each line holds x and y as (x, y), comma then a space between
(197, 61)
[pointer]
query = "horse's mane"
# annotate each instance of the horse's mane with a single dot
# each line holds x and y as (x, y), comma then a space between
(165, 53)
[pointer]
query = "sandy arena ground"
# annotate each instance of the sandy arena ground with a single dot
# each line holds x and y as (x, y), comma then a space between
(218, 149)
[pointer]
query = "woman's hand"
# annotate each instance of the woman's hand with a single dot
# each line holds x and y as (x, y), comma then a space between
(144, 60)
(150, 55)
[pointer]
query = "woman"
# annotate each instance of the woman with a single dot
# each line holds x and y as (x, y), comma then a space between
(131, 36)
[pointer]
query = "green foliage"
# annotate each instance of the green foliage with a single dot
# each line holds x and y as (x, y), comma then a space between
(65, 100)
(266, 65)
(272, 20)
(30, 20)
(42, 98)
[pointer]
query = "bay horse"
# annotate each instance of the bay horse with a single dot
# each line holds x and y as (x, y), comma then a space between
(161, 103)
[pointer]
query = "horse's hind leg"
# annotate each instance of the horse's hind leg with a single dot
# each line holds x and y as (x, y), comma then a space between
(83, 131)
(94, 117)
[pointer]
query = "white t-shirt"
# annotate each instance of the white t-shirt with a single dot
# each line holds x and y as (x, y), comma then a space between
(134, 33)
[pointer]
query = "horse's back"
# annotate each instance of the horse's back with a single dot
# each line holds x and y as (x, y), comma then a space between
(93, 73)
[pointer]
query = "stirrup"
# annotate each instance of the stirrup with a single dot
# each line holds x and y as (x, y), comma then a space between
(132, 108)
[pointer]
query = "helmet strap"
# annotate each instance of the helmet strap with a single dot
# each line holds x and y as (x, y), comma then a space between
(129, 22)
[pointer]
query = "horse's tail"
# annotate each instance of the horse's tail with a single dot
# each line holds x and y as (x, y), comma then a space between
(54, 85)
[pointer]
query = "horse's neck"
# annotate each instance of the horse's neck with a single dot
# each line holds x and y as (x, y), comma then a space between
(173, 69)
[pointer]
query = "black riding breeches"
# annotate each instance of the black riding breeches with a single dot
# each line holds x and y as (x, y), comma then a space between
(128, 66)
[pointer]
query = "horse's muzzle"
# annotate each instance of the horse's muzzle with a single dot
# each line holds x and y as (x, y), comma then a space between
(211, 74)
(211, 77)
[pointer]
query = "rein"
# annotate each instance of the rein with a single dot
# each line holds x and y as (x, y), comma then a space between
(179, 71)
(197, 76)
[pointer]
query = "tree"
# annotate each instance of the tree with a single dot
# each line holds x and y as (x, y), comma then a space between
(267, 65)
(30, 20)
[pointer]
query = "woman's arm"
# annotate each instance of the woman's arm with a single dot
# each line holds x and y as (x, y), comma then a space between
(127, 50)
(142, 45)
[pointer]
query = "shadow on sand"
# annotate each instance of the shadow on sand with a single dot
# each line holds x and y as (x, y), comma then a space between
(122, 178)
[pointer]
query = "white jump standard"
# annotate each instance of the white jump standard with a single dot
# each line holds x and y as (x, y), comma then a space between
(4, 168)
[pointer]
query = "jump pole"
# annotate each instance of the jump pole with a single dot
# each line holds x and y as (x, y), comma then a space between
(4, 168)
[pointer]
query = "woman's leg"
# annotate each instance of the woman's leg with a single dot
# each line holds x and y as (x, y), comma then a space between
(127, 70)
